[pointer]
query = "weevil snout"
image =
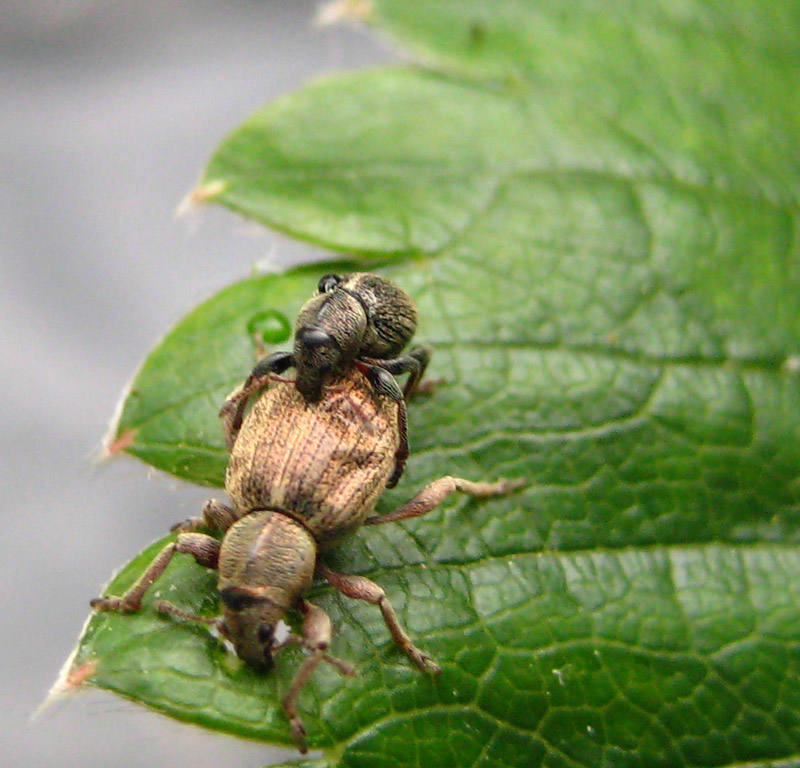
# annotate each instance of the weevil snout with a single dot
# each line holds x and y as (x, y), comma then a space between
(266, 636)
(328, 335)
(250, 625)
(253, 647)
(318, 353)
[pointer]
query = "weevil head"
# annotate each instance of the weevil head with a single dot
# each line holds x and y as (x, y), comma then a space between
(266, 562)
(351, 316)
(250, 616)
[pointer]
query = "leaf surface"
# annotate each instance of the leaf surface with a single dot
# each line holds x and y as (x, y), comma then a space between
(595, 207)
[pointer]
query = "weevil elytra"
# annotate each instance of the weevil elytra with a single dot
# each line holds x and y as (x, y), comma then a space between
(303, 474)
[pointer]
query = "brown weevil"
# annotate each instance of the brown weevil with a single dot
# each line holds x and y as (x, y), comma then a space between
(303, 474)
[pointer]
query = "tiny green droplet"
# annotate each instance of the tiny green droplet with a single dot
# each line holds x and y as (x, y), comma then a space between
(270, 327)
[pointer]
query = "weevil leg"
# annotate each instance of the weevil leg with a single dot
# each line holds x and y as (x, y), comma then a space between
(204, 549)
(384, 384)
(341, 666)
(432, 495)
(162, 606)
(414, 364)
(317, 630)
(361, 588)
(401, 455)
(216, 516)
(232, 412)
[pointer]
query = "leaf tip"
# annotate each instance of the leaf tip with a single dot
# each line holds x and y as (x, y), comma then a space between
(202, 193)
(338, 11)
(77, 676)
(121, 442)
(115, 440)
(70, 680)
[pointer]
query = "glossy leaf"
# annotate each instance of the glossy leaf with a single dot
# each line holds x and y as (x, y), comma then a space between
(595, 207)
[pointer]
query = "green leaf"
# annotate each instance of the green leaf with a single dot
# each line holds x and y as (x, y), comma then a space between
(595, 207)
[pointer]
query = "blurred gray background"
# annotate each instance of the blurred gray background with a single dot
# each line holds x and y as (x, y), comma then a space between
(108, 112)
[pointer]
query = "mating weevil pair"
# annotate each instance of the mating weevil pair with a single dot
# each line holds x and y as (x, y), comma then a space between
(307, 466)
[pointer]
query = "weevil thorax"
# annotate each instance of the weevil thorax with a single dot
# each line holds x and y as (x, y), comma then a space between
(266, 562)
(356, 315)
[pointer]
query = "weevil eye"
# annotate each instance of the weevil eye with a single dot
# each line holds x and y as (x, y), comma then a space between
(329, 282)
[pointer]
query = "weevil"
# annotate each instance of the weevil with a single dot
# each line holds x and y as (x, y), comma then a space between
(302, 476)
(357, 319)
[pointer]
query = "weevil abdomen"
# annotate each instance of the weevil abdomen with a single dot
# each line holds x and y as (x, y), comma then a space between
(324, 464)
